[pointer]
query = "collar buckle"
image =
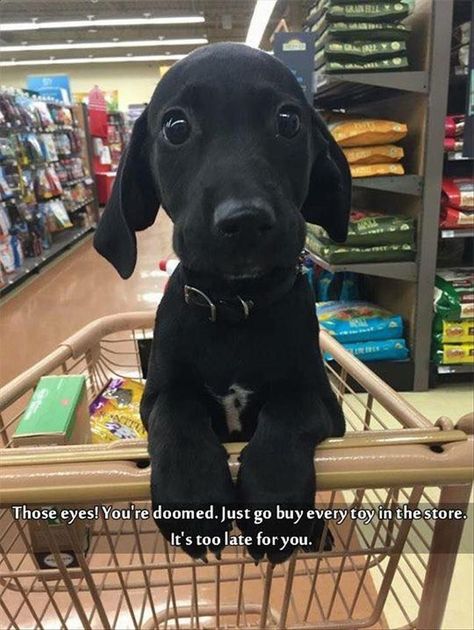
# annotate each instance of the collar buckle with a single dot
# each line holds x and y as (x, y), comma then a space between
(199, 298)
(196, 297)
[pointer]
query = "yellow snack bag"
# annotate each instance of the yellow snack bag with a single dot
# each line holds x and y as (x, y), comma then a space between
(361, 132)
(373, 170)
(379, 154)
(115, 413)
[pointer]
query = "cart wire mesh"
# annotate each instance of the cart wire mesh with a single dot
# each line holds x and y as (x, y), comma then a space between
(127, 576)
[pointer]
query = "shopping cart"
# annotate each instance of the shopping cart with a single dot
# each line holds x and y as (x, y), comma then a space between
(391, 573)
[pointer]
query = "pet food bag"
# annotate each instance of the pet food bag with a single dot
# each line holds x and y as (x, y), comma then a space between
(342, 254)
(453, 218)
(385, 350)
(379, 65)
(115, 413)
(350, 322)
(363, 51)
(360, 132)
(454, 125)
(378, 154)
(458, 192)
(365, 11)
(461, 331)
(452, 354)
(375, 170)
(369, 229)
(359, 31)
(454, 294)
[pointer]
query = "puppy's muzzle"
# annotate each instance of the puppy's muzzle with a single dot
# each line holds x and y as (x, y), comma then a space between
(253, 220)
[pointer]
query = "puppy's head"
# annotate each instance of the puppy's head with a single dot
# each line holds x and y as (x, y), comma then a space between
(239, 160)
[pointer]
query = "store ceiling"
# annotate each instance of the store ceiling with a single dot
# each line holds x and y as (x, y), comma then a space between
(225, 20)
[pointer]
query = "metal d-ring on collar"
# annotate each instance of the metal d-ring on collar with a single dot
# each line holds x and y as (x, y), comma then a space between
(190, 291)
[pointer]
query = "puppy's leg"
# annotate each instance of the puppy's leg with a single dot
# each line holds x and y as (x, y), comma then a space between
(189, 469)
(277, 468)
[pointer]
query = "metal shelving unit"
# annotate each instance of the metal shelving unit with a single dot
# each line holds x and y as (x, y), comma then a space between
(396, 270)
(402, 184)
(455, 369)
(62, 242)
(460, 233)
(330, 87)
(418, 97)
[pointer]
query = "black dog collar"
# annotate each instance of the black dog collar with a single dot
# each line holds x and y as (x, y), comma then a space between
(231, 308)
(236, 308)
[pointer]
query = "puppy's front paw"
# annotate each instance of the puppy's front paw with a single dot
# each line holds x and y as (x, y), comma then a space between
(278, 493)
(184, 482)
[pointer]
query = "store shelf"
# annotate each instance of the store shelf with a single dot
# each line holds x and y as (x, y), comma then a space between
(62, 241)
(397, 270)
(461, 233)
(73, 182)
(467, 368)
(83, 204)
(456, 156)
(358, 87)
(25, 129)
(403, 184)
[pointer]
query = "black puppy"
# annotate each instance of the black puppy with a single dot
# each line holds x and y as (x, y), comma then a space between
(238, 159)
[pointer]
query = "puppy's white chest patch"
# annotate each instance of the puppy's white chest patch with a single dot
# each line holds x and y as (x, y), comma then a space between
(234, 403)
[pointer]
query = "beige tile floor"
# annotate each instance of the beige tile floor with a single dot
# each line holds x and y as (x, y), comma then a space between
(81, 287)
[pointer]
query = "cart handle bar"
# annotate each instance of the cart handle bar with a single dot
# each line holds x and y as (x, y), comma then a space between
(137, 449)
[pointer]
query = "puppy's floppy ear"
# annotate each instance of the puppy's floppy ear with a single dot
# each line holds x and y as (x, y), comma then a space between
(133, 204)
(328, 201)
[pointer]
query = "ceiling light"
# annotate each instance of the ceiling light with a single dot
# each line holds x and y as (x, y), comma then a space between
(34, 26)
(78, 60)
(258, 23)
(140, 43)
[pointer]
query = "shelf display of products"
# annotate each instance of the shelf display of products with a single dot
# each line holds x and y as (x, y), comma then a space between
(367, 331)
(372, 237)
(117, 136)
(453, 323)
(359, 36)
(452, 348)
(110, 134)
(45, 187)
(368, 144)
(457, 203)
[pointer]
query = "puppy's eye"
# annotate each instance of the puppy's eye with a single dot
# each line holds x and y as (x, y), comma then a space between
(176, 128)
(288, 121)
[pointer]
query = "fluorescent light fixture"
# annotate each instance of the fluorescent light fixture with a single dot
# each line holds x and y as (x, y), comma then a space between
(141, 43)
(77, 60)
(35, 26)
(261, 15)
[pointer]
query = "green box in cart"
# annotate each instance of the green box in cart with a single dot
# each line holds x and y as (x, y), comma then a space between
(56, 414)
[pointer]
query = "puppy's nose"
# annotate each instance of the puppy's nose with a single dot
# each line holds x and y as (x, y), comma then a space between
(233, 218)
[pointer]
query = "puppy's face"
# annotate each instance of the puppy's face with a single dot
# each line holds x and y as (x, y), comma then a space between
(231, 155)
(233, 152)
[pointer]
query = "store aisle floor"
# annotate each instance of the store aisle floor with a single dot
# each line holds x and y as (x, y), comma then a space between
(77, 289)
